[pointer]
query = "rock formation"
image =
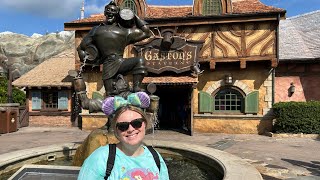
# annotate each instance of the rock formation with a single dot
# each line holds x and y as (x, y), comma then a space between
(22, 53)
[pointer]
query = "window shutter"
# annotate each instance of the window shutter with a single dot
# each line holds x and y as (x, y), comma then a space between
(62, 100)
(252, 102)
(36, 100)
(205, 102)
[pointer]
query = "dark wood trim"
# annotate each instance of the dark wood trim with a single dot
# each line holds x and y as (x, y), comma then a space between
(186, 21)
(243, 40)
(252, 58)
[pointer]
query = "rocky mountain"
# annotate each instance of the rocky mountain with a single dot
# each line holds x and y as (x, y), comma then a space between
(22, 53)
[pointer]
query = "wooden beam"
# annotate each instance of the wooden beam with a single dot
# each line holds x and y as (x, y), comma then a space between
(212, 65)
(274, 62)
(243, 63)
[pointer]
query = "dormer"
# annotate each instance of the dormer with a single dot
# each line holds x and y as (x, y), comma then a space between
(137, 6)
(211, 7)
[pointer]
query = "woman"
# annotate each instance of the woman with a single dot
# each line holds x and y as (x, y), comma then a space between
(133, 160)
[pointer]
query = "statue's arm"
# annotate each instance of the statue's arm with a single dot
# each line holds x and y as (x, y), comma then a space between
(141, 32)
(86, 41)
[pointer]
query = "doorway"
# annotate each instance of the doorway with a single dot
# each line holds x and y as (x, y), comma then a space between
(174, 107)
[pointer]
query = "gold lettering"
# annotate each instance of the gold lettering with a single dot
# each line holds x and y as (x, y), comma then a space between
(175, 55)
(148, 56)
(156, 57)
(169, 56)
(189, 55)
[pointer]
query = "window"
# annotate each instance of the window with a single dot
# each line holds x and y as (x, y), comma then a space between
(49, 100)
(130, 4)
(36, 100)
(228, 100)
(211, 7)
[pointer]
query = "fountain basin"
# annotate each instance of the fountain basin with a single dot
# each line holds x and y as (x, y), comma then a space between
(229, 166)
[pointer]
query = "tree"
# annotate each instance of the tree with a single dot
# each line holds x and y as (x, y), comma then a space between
(18, 96)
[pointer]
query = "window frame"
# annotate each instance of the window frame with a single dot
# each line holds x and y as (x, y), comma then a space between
(211, 9)
(128, 4)
(232, 88)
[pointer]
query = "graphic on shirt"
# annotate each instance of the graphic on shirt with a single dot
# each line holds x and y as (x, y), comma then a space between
(139, 174)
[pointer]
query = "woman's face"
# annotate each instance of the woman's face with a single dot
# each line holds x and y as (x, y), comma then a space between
(132, 135)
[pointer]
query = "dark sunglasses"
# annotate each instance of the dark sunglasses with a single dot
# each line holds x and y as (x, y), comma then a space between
(136, 123)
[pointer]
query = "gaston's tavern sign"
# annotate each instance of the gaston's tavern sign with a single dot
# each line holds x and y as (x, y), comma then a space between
(177, 56)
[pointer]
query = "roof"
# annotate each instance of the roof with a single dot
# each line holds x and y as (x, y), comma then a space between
(159, 12)
(300, 37)
(50, 73)
(170, 80)
(252, 6)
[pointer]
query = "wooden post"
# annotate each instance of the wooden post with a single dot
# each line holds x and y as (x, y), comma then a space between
(9, 86)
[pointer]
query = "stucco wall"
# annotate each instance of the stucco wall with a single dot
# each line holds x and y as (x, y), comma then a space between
(305, 78)
(238, 125)
(254, 77)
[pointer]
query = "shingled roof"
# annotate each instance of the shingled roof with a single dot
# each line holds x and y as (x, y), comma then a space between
(159, 12)
(51, 73)
(300, 37)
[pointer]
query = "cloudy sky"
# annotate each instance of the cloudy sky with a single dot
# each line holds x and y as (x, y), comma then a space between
(41, 16)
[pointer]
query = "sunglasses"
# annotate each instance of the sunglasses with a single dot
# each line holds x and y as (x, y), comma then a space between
(136, 123)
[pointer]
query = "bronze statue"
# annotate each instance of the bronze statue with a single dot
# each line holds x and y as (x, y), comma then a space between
(106, 42)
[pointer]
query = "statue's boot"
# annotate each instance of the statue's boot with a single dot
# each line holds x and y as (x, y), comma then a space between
(137, 81)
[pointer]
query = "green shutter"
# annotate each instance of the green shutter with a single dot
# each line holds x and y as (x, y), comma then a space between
(252, 102)
(36, 100)
(62, 100)
(205, 102)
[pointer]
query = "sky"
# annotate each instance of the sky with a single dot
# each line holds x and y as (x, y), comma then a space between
(47, 16)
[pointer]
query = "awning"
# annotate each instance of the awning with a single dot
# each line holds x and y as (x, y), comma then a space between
(170, 80)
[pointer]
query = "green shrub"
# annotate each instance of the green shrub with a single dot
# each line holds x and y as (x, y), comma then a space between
(297, 117)
(18, 96)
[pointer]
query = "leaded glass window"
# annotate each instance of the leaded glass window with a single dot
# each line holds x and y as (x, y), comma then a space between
(211, 7)
(228, 100)
(130, 4)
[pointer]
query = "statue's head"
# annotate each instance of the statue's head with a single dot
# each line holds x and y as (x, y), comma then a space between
(111, 12)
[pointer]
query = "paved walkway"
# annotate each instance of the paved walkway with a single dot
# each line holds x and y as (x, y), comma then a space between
(275, 158)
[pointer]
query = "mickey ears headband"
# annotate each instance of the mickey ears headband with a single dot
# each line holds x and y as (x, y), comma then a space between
(138, 99)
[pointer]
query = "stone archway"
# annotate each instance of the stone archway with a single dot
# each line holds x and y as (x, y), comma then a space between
(245, 88)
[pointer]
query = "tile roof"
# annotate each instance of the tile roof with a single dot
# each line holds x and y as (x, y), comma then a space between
(52, 72)
(299, 37)
(154, 12)
(252, 6)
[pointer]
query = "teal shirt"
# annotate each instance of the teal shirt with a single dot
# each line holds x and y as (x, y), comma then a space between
(142, 167)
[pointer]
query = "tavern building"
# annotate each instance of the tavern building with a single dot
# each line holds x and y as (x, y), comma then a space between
(233, 44)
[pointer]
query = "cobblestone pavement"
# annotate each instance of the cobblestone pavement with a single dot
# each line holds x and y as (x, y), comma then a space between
(275, 158)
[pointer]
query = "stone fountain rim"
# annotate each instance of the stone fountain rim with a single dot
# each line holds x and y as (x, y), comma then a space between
(233, 166)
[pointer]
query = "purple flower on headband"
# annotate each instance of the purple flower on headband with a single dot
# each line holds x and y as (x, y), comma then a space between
(144, 98)
(108, 105)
